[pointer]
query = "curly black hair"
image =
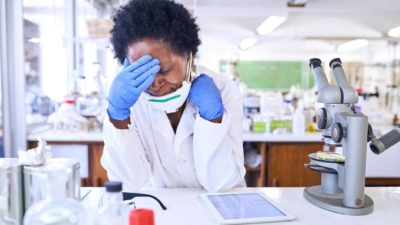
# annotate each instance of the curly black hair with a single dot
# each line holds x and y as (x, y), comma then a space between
(162, 20)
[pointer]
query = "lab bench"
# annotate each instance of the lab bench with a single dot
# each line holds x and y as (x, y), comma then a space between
(282, 165)
(185, 207)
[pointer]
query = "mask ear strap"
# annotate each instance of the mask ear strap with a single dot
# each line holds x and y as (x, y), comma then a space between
(189, 69)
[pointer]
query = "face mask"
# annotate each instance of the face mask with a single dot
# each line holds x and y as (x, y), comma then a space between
(171, 102)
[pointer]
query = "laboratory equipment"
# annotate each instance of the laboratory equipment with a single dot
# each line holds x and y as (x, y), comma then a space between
(280, 124)
(56, 207)
(288, 107)
(259, 124)
(11, 210)
(89, 106)
(299, 121)
(112, 208)
(67, 117)
(35, 156)
(42, 104)
(251, 105)
(252, 158)
(342, 179)
(35, 186)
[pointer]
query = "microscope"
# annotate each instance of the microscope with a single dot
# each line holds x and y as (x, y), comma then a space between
(342, 175)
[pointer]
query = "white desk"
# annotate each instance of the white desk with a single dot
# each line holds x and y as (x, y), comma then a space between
(185, 208)
(65, 136)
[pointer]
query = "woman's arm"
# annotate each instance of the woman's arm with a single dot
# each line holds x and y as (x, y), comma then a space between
(124, 157)
(218, 147)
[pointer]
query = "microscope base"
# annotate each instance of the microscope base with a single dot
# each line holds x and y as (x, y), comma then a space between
(333, 202)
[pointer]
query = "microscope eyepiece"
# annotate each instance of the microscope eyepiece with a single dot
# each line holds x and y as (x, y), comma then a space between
(314, 62)
(335, 62)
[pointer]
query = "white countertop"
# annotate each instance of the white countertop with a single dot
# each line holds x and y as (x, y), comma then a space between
(83, 136)
(64, 136)
(184, 207)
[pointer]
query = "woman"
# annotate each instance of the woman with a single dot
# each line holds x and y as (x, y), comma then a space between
(166, 125)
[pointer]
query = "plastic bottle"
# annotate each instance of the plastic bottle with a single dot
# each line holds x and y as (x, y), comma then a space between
(112, 209)
(299, 121)
(56, 208)
(287, 107)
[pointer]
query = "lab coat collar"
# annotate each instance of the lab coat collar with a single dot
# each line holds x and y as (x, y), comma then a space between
(185, 126)
(161, 125)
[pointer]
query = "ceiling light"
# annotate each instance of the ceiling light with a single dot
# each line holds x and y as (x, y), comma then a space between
(352, 45)
(394, 32)
(270, 24)
(247, 43)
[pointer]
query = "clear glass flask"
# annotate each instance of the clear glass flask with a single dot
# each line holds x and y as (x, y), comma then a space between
(56, 208)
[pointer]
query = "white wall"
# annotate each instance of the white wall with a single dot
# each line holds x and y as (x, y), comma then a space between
(214, 50)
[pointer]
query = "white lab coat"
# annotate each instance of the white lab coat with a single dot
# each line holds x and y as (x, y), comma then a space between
(199, 154)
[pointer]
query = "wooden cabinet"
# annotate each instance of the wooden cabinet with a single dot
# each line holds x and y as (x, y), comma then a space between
(285, 164)
(256, 177)
(97, 174)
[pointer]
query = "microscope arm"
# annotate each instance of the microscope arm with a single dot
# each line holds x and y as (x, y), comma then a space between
(386, 141)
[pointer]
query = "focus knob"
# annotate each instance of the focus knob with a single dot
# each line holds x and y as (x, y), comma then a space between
(337, 132)
(322, 118)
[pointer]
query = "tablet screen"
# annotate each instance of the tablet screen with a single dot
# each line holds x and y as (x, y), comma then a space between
(244, 206)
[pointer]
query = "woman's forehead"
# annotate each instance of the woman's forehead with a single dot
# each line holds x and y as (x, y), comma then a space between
(157, 49)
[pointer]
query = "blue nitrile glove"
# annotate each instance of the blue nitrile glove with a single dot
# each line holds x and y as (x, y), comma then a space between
(205, 95)
(129, 84)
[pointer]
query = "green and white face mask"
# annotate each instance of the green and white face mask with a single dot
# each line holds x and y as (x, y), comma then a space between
(171, 102)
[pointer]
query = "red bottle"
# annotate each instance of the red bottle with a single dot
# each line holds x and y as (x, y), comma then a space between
(141, 217)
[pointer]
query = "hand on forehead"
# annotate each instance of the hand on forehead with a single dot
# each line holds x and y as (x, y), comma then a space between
(172, 65)
(154, 48)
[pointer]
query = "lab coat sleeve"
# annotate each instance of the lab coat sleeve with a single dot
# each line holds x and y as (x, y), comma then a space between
(218, 147)
(124, 157)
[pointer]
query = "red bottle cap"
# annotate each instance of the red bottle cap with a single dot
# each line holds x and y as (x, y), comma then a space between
(141, 217)
(69, 101)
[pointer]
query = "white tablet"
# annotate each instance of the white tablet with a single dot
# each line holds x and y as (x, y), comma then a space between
(247, 207)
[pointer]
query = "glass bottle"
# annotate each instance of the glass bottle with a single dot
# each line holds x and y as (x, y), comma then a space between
(56, 208)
